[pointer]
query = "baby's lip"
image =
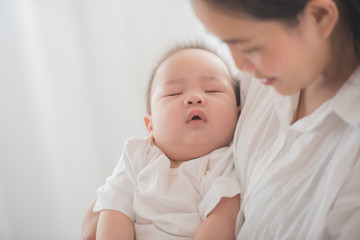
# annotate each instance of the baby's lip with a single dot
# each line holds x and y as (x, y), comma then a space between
(195, 116)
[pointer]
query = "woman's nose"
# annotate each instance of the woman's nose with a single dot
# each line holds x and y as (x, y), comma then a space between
(241, 60)
(194, 99)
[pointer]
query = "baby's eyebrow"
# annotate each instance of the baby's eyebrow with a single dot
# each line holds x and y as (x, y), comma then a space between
(204, 79)
(213, 78)
(174, 81)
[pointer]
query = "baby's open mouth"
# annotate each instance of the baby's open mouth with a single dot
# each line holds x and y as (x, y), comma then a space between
(196, 116)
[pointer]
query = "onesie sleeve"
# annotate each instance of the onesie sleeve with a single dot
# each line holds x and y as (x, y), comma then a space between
(118, 191)
(219, 181)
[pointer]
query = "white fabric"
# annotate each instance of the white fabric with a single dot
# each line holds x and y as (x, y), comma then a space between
(167, 203)
(299, 181)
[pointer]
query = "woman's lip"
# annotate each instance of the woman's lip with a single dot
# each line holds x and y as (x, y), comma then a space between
(267, 81)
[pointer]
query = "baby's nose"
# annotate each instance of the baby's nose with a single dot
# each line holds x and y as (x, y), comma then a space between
(195, 99)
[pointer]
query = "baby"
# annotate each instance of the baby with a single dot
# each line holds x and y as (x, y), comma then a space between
(179, 183)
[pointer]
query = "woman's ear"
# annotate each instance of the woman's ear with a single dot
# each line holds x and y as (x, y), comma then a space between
(325, 14)
(149, 127)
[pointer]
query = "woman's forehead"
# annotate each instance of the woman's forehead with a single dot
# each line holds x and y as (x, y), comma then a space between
(228, 27)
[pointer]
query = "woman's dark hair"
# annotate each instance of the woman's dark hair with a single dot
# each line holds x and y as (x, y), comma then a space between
(350, 13)
(286, 10)
(289, 10)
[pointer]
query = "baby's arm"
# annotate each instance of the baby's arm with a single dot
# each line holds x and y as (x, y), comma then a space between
(220, 223)
(114, 225)
(116, 194)
(90, 220)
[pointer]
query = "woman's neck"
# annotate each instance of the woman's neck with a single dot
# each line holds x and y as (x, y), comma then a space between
(327, 84)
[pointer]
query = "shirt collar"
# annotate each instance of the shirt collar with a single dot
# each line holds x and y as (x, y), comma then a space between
(345, 104)
(347, 100)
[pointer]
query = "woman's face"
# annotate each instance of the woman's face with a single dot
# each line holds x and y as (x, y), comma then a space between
(289, 58)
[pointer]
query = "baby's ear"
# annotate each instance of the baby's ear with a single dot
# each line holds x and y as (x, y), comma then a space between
(149, 127)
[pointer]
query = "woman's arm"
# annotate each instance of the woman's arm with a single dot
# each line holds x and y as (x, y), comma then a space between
(114, 225)
(220, 223)
(89, 225)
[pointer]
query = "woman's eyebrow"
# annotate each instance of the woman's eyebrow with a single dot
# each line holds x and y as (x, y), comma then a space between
(236, 40)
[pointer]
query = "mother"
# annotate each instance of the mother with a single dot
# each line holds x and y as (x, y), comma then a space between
(297, 145)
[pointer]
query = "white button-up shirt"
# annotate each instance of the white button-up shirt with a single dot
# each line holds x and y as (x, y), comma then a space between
(299, 181)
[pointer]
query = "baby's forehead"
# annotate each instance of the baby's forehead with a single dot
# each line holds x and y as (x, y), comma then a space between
(187, 61)
(198, 53)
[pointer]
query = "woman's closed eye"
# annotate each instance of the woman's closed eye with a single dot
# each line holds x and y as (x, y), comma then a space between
(251, 51)
(247, 50)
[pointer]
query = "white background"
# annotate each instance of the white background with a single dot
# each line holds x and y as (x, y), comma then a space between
(73, 75)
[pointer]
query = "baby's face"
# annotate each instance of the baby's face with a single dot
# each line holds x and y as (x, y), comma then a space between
(193, 105)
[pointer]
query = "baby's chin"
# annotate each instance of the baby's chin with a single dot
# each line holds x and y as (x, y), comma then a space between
(186, 153)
